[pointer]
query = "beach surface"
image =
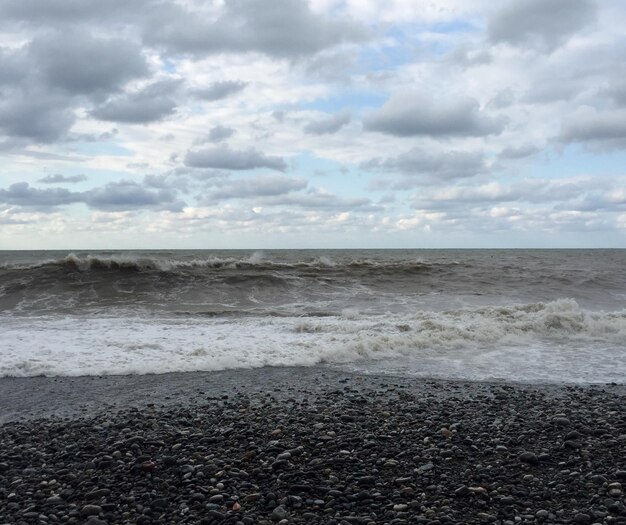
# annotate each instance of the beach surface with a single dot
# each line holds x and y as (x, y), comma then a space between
(309, 445)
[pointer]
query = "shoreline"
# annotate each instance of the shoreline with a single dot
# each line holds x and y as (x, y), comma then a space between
(309, 446)
(25, 398)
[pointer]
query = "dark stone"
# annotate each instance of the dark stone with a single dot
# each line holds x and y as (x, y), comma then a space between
(529, 458)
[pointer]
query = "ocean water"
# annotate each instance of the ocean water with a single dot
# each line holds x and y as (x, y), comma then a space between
(520, 315)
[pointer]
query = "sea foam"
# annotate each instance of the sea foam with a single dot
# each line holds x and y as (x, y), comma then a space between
(554, 341)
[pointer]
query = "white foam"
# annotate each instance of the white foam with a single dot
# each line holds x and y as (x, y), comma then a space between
(557, 341)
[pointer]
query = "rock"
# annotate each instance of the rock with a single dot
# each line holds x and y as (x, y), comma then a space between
(582, 518)
(279, 513)
(598, 479)
(529, 458)
(366, 481)
(158, 504)
(98, 493)
(425, 468)
(91, 510)
(463, 490)
(95, 521)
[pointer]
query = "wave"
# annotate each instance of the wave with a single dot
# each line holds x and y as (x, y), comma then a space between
(88, 263)
(535, 341)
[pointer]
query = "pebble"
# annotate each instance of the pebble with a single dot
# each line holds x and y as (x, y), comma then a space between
(91, 510)
(529, 458)
(450, 453)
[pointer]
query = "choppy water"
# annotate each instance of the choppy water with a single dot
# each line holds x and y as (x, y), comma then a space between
(530, 315)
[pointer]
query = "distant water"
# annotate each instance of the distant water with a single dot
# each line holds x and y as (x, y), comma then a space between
(524, 315)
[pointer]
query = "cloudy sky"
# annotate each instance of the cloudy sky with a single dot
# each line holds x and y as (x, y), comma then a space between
(327, 123)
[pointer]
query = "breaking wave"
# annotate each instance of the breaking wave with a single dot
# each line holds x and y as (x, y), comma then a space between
(557, 340)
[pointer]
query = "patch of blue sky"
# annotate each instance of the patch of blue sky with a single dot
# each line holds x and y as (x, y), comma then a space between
(415, 42)
(168, 66)
(577, 160)
(389, 57)
(454, 26)
(353, 99)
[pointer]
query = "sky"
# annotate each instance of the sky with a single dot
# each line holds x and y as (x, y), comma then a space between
(312, 124)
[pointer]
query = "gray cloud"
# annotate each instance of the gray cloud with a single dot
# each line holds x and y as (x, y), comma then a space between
(217, 134)
(601, 129)
(46, 80)
(543, 24)
(424, 167)
(503, 99)
(281, 28)
(333, 65)
(328, 125)
(11, 66)
(58, 178)
(519, 152)
(319, 200)
(79, 63)
(115, 196)
(35, 115)
(150, 104)
(45, 12)
(220, 90)
(262, 186)
(22, 194)
(128, 195)
(617, 90)
(227, 159)
(406, 115)
(465, 57)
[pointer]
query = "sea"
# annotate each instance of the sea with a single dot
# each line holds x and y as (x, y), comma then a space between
(512, 315)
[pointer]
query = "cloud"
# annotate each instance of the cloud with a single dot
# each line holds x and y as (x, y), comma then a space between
(281, 28)
(80, 63)
(45, 12)
(617, 91)
(531, 190)
(603, 129)
(46, 80)
(328, 125)
(541, 24)
(252, 187)
(219, 90)
(319, 200)
(432, 167)
(128, 195)
(115, 196)
(57, 178)
(519, 152)
(150, 104)
(11, 66)
(413, 114)
(36, 115)
(22, 194)
(442, 165)
(216, 134)
(227, 159)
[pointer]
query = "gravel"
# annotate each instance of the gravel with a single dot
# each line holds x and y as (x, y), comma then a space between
(352, 450)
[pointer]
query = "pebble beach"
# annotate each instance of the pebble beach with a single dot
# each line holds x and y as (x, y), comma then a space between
(309, 445)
